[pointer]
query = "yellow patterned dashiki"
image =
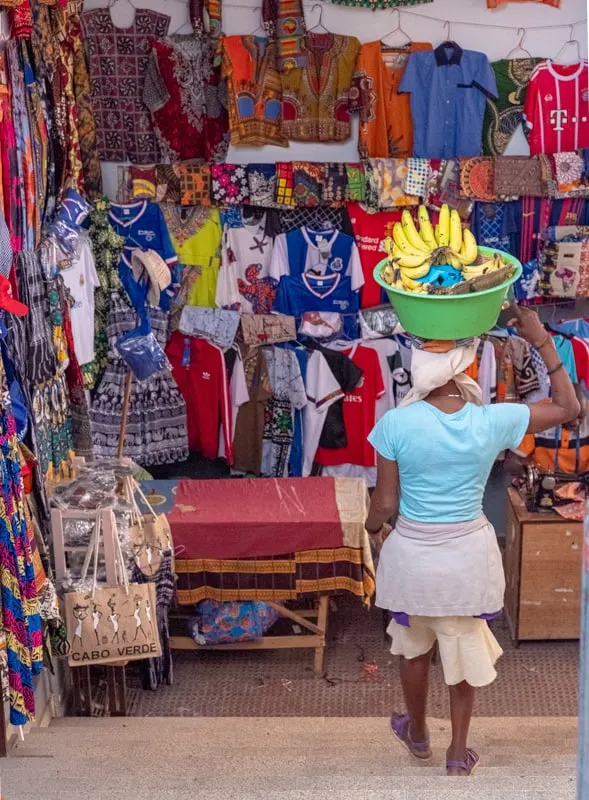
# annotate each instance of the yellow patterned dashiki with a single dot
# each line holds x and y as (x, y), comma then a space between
(196, 237)
(316, 98)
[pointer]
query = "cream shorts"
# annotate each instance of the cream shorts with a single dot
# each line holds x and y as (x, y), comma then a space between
(468, 649)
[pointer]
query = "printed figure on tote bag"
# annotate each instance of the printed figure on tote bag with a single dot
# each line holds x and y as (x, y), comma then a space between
(114, 618)
(80, 613)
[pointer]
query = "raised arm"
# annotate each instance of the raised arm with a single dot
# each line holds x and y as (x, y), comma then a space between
(564, 405)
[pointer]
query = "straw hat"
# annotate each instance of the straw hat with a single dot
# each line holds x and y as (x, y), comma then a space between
(158, 272)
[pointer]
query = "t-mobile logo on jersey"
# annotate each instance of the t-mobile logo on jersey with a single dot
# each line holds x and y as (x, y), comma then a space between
(559, 118)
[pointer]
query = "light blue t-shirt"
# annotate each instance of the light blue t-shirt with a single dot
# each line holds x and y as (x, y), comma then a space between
(444, 459)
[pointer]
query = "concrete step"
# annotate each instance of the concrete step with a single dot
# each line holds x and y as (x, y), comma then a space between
(286, 759)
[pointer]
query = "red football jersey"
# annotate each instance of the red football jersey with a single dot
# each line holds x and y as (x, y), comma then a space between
(370, 230)
(359, 413)
(556, 108)
(199, 370)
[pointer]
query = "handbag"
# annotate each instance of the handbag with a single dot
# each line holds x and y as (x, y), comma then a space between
(109, 624)
(150, 533)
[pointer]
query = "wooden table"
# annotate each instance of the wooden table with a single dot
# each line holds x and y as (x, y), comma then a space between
(543, 565)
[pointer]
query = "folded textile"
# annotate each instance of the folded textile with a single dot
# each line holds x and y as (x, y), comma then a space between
(261, 180)
(284, 184)
(143, 183)
(168, 184)
(335, 185)
(392, 175)
(477, 177)
(519, 176)
(433, 184)
(569, 174)
(229, 185)
(307, 180)
(260, 329)
(378, 322)
(416, 179)
(356, 182)
(218, 325)
(195, 184)
(449, 189)
(321, 324)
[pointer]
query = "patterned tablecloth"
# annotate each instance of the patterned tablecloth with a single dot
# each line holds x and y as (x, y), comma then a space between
(267, 539)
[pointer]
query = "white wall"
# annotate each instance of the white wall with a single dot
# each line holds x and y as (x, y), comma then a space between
(474, 32)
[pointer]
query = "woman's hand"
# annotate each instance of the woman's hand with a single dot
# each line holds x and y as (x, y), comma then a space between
(529, 326)
(380, 537)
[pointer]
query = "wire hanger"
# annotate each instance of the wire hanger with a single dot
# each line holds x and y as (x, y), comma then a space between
(319, 24)
(260, 25)
(566, 44)
(522, 33)
(397, 28)
(186, 24)
(448, 40)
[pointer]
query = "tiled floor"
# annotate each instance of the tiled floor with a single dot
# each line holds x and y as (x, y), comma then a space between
(536, 679)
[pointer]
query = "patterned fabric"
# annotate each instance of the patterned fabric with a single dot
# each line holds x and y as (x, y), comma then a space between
(320, 218)
(118, 61)
(448, 189)
(156, 427)
(258, 329)
(477, 178)
(504, 115)
(21, 620)
(570, 175)
(316, 98)
(307, 183)
(288, 394)
(284, 184)
(519, 176)
(187, 99)
(168, 184)
(335, 186)
(143, 183)
(374, 4)
(490, 226)
(229, 184)
(159, 671)
(356, 182)
(222, 623)
(418, 172)
(392, 175)
(195, 184)
(254, 91)
(217, 325)
(261, 180)
(284, 20)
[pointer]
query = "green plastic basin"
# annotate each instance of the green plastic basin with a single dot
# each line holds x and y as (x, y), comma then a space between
(448, 317)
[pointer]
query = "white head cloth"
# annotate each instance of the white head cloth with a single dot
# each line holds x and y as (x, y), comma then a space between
(429, 371)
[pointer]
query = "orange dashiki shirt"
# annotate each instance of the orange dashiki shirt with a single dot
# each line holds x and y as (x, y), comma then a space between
(386, 125)
(254, 91)
(316, 98)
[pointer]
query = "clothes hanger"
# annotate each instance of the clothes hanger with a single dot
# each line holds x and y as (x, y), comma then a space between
(319, 25)
(449, 42)
(112, 3)
(396, 29)
(522, 33)
(186, 24)
(565, 45)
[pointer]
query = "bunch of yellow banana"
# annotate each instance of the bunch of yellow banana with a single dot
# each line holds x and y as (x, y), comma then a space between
(476, 270)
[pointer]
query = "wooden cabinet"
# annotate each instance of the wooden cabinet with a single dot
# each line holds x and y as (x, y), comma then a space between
(543, 565)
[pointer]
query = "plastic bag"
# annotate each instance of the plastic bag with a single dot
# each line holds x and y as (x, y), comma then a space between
(143, 354)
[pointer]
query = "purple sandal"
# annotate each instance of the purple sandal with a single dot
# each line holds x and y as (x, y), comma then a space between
(469, 765)
(400, 728)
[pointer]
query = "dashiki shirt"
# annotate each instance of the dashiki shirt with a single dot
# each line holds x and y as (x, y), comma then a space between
(255, 91)
(386, 124)
(118, 60)
(187, 99)
(316, 98)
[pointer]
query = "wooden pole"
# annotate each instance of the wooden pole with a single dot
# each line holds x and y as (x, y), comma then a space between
(125, 414)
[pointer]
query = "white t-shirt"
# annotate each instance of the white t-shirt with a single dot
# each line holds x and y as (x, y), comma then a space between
(322, 391)
(238, 394)
(244, 275)
(81, 280)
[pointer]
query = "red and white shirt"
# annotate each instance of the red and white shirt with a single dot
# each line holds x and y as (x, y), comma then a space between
(370, 230)
(556, 109)
(199, 370)
(359, 413)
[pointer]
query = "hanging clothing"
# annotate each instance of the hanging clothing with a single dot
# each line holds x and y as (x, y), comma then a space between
(244, 280)
(503, 115)
(284, 21)
(249, 430)
(254, 91)
(199, 370)
(156, 426)
(386, 125)
(317, 98)
(159, 671)
(288, 395)
(196, 237)
(374, 4)
(118, 63)
(555, 109)
(187, 98)
(370, 230)
(448, 89)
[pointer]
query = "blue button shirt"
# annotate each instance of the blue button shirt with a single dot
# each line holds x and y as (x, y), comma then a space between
(449, 89)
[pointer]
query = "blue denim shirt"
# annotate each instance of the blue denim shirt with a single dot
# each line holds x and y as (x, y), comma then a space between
(449, 89)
